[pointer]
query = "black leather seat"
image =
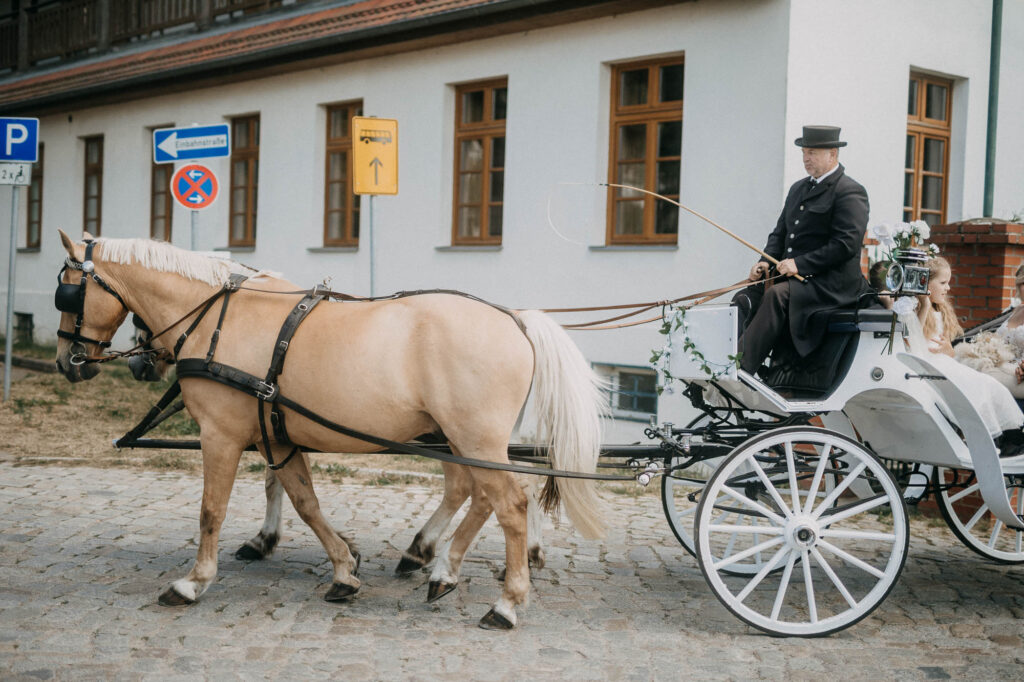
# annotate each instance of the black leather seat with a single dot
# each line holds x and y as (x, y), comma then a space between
(816, 375)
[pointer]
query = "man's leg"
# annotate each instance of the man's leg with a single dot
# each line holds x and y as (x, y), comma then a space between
(769, 322)
(746, 301)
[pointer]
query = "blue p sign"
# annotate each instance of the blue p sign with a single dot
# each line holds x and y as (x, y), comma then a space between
(19, 140)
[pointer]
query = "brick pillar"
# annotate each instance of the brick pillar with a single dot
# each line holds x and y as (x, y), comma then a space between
(984, 254)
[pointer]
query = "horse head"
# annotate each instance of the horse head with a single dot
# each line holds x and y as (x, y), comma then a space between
(91, 310)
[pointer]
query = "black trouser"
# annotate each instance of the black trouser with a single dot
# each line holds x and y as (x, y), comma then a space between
(764, 317)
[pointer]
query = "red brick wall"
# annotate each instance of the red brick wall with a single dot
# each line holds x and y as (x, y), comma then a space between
(984, 254)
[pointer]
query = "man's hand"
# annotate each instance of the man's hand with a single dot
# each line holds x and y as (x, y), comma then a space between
(787, 267)
(759, 271)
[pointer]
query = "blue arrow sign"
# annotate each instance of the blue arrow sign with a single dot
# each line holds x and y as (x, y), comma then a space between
(19, 140)
(185, 144)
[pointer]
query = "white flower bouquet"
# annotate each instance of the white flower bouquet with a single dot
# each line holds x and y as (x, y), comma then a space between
(902, 236)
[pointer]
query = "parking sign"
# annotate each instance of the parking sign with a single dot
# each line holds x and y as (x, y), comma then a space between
(19, 140)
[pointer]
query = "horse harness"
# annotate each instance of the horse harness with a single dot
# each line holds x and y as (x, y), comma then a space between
(70, 298)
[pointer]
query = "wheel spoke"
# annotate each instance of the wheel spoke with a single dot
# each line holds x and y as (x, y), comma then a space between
(857, 535)
(996, 527)
(812, 605)
(977, 517)
(864, 506)
(819, 473)
(757, 506)
(770, 487)
(765, 570)
(849, 558)
(963, 493)
(729, 528)
(839, 489)
(783, 586)
(730, 560)
(791, 465)
(834, 578)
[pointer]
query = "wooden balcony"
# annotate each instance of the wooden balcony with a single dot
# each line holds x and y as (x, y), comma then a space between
(42, 31)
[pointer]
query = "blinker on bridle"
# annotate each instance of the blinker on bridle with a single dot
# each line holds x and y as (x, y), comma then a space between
(70, 298)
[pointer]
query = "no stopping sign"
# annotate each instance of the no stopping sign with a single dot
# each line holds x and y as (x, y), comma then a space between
(194, 186)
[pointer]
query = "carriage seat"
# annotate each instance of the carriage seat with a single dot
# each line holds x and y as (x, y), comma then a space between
(815, 375)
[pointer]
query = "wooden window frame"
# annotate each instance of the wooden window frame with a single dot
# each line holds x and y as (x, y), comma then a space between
(486, 130)
(37, 202)
(339, 145)
(650, 114)
(250, 155)
(920, 127)
(94, 169)
(156, 189)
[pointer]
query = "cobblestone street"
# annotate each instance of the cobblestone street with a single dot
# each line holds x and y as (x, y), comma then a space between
(84, 553)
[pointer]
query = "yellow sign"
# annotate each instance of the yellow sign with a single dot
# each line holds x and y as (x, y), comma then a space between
(375, 155)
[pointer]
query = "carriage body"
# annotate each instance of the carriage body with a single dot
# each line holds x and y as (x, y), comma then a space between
(810, 468)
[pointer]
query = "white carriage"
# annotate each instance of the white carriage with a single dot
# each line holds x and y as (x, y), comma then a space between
(783, 488)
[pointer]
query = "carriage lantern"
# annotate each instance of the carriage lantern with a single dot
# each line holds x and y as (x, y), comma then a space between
(908, 274)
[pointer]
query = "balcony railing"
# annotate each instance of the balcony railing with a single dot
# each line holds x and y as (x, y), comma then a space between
(65, 30)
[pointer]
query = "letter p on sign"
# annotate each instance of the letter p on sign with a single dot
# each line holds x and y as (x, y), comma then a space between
(19, 140)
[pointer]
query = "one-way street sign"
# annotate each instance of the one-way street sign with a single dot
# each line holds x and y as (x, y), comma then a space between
(185, 144)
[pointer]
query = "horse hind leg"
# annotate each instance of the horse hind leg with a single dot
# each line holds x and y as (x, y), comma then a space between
(261, 546)
(297, 481)
(457, 486)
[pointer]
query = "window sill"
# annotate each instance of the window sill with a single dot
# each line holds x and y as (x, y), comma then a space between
(29, 249)
(333, 249)
(468, 249)
(634, 247)
(236, 249)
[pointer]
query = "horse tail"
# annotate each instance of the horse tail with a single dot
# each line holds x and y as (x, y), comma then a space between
(567, 406)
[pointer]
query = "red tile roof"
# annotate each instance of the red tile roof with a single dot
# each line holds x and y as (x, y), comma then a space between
(207, 51)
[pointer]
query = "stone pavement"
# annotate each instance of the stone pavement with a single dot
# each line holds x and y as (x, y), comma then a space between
(85, 552)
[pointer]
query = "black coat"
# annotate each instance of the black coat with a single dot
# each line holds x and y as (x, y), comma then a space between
(822, 229)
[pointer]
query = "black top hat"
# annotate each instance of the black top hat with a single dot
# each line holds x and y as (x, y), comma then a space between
(820, 137)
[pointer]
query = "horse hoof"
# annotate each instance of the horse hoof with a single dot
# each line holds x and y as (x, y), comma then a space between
(437, 589)
(495, 621)
(502, 573)
(408, 565)
(340, 592)
(170, 597)
(248, 553)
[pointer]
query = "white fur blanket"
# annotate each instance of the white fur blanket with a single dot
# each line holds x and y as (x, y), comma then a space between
(988, 351)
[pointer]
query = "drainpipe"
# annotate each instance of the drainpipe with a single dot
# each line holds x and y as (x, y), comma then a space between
(993, 106)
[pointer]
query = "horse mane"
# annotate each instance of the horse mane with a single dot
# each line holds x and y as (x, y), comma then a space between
(164, 257)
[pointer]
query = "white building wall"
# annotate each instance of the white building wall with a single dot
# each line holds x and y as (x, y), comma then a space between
(755, 72)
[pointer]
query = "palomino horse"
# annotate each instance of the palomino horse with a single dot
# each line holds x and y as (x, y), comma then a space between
(396, 369)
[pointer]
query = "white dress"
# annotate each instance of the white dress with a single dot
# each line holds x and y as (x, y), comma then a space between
(990, 398)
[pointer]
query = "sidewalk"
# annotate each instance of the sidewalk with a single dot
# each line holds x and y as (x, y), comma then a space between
(85, 552)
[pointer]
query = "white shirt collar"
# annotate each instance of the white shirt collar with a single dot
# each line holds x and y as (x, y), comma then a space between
(822, 178)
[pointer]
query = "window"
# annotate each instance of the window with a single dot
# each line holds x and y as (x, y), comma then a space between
(926, 179)
(93, 211)
(245, 161)
(645, 151)
(34, 229)
(160, 201)
(480, 111)
(341, 205)
(633, 391)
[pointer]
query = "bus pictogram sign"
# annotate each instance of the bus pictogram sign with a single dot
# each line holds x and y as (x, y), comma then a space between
(194, 186)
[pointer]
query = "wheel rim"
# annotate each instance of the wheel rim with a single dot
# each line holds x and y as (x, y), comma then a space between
(827, 560)
(973, 523)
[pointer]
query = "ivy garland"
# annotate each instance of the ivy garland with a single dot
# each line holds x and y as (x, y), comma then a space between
(674, 322)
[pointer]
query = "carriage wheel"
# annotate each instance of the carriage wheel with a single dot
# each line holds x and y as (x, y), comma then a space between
(971, 521)
(840, 554)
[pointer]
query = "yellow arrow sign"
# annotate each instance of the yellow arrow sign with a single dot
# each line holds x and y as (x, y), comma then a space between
(375, 155)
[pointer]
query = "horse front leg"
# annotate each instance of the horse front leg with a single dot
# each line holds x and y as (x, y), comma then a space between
(457, 486)
(445, 575)
(261, 546)
(297, 480)
(220, 464)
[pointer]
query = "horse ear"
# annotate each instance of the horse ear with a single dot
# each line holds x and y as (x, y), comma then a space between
(69, 245)
(88, 236)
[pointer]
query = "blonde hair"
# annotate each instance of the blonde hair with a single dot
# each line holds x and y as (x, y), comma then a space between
(1019, 276)
(950, 324)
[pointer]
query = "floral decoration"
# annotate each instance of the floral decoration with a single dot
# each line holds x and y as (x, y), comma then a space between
(674, 323)
(900, 236)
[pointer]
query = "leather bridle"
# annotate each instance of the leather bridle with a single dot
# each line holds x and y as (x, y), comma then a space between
(70, 298)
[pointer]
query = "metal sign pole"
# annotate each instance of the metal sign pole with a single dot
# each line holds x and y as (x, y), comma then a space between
(195, 229)
(9, 339)
(373, 285)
